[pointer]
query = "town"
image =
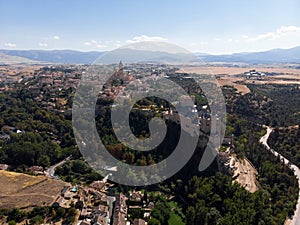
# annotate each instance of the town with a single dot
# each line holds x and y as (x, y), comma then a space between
(85, 197)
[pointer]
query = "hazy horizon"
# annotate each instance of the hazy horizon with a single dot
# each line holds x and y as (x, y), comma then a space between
(100, 51)
(214, 27)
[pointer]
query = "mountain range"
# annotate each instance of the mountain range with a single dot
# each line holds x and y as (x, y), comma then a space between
(291, 55)
(55, 56)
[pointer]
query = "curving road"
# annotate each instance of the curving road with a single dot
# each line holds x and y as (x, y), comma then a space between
(264, 140)
(50, 172)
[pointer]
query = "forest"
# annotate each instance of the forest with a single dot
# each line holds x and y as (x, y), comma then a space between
(286, 140)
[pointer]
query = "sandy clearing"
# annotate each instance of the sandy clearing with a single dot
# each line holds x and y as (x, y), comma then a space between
(243, 89)
(245, 174)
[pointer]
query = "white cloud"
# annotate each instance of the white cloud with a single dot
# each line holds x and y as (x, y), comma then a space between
(145, 38)
(287, 29)
(279, 33)
(87, 43)
(43, 44)
(118, 44)
(56, 37)
(100, 46)
(11, 45)
(217, 39)
(95, 44)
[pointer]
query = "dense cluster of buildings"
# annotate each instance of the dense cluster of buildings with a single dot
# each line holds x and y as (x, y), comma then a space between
(254, 75)
(100, 208)
(120, 211)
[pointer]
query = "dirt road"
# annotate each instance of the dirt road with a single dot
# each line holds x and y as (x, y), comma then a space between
(264, 140)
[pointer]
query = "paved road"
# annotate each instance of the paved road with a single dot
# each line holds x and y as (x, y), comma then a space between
(264, 140)
(50, 172)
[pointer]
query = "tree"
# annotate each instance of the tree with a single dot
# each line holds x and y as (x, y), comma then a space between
(213, 216)
(60, 212)
(16, 215)
(78, 166)
(190, 215)
(53, 213)
(154, 221)
(43, 161)
(36, 220)
(6, 129)
(70, 215)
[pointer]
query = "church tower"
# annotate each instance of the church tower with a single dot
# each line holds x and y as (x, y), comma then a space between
(121, 66)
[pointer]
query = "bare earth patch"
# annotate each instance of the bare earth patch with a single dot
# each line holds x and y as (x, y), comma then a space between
(242, 88)
(245, 174)
(21, 190)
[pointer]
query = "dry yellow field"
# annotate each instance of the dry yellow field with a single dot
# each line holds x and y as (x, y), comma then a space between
(216, 70)
(22, 190)
(226, 75)
(243, 89)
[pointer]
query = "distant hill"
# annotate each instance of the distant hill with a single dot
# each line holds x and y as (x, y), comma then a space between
(127, 55)
(133, 56)
(56, 56)
(8, 59)
(291, 55)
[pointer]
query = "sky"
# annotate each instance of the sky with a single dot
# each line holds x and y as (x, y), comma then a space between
(213, 26)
